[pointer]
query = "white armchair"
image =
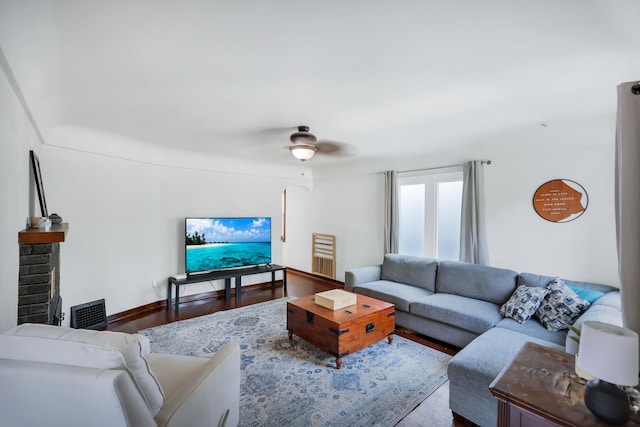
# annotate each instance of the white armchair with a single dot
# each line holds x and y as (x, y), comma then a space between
(52, 376)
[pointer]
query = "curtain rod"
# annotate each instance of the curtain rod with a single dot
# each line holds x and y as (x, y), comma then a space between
(484, 162)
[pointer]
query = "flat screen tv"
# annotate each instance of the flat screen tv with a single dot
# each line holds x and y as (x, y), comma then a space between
(225, 243)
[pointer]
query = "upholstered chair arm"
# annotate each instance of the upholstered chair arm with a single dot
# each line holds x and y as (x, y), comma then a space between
(199, 391)
(361, 275)
(42, 394)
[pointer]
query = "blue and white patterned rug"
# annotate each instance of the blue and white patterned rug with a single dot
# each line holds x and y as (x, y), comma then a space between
(292, 383)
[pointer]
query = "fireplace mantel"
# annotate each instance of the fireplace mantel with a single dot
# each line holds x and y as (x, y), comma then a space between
(56, 234)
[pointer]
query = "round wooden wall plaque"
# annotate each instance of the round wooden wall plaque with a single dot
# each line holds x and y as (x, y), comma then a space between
(560, 200)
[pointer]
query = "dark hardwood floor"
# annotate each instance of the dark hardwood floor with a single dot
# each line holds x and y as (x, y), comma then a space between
(299, 284)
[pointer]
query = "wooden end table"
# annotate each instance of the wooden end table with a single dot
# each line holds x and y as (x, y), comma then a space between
(540, 388)
(343, 331)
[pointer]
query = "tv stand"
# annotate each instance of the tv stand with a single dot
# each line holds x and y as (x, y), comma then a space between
(227, 275)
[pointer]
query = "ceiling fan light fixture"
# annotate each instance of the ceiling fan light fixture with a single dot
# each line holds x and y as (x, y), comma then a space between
(303, 138)
(303, 152)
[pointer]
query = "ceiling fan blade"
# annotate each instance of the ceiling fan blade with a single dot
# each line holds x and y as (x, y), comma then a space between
(335, 148)
(253, 135)
(274, 130)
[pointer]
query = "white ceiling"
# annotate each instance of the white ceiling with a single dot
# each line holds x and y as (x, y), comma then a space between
(386, 77)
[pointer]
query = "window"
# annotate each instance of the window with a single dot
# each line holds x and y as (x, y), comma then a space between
(430, 204)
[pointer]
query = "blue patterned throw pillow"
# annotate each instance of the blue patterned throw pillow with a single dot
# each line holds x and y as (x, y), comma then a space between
(560, 307)
(523, 303)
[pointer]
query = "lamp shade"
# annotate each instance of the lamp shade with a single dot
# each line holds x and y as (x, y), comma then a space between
(609, 352)
(303, 152)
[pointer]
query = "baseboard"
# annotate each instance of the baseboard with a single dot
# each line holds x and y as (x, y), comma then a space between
(318, 277)
(460, 421)
(116, 317)
(428, 341)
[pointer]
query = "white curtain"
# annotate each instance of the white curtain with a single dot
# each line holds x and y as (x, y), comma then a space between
(391, 219)
(473, 241)
(628, 201)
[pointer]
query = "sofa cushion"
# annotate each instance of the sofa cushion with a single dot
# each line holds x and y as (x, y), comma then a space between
(466, 313)
(355, 276)
(85, 348)
(476, 281)
(410, 270)
(530, 279)
(398, 294)
(560, 307)
(523, 303)
(597, 312)
(473, 368)
(611, 299)
(535, 329)
(587, 294)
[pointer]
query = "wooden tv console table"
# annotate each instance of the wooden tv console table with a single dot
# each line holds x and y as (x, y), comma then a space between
(227, 275)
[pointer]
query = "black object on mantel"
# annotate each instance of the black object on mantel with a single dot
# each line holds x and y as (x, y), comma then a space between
(55, 218)
(607, 401)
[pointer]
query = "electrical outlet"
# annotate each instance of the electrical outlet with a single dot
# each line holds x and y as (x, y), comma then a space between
(161, 291)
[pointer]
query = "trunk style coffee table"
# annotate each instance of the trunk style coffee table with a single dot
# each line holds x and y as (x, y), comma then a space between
(343, 331)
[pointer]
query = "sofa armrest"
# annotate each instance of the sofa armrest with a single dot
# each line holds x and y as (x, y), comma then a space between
(41, 394)
(597, 312)
(199, 391)
(361, 275)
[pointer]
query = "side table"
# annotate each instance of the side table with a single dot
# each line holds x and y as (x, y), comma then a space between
(540, 388)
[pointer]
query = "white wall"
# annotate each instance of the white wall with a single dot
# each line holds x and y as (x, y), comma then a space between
(126, 217)
(350, 206)
(297, 246)
(127, 222)
(582, 249)
(17, 137)
(352, 210)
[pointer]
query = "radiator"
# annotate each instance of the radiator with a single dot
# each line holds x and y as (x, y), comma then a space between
(323, 255)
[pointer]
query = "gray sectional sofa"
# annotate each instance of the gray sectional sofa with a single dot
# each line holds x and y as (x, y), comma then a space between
(459, 304)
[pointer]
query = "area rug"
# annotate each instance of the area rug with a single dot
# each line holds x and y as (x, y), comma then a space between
(292, 383)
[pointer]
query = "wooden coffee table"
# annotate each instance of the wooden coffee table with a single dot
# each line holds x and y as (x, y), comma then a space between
(344, 331)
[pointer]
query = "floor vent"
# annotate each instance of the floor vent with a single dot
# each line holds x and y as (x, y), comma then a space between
(90, 315)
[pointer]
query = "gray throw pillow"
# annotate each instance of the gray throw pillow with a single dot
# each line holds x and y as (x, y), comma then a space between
(523, 303)
(560, 307)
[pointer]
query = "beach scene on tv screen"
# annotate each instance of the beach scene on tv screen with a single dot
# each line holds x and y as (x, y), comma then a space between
(220, 243)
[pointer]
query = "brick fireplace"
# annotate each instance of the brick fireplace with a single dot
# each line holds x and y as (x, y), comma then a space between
(39, 299)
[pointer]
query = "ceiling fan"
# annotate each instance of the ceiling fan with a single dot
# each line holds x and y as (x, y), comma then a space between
(304, 145)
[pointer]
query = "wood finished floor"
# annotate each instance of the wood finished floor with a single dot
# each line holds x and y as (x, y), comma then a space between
(434, 411)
